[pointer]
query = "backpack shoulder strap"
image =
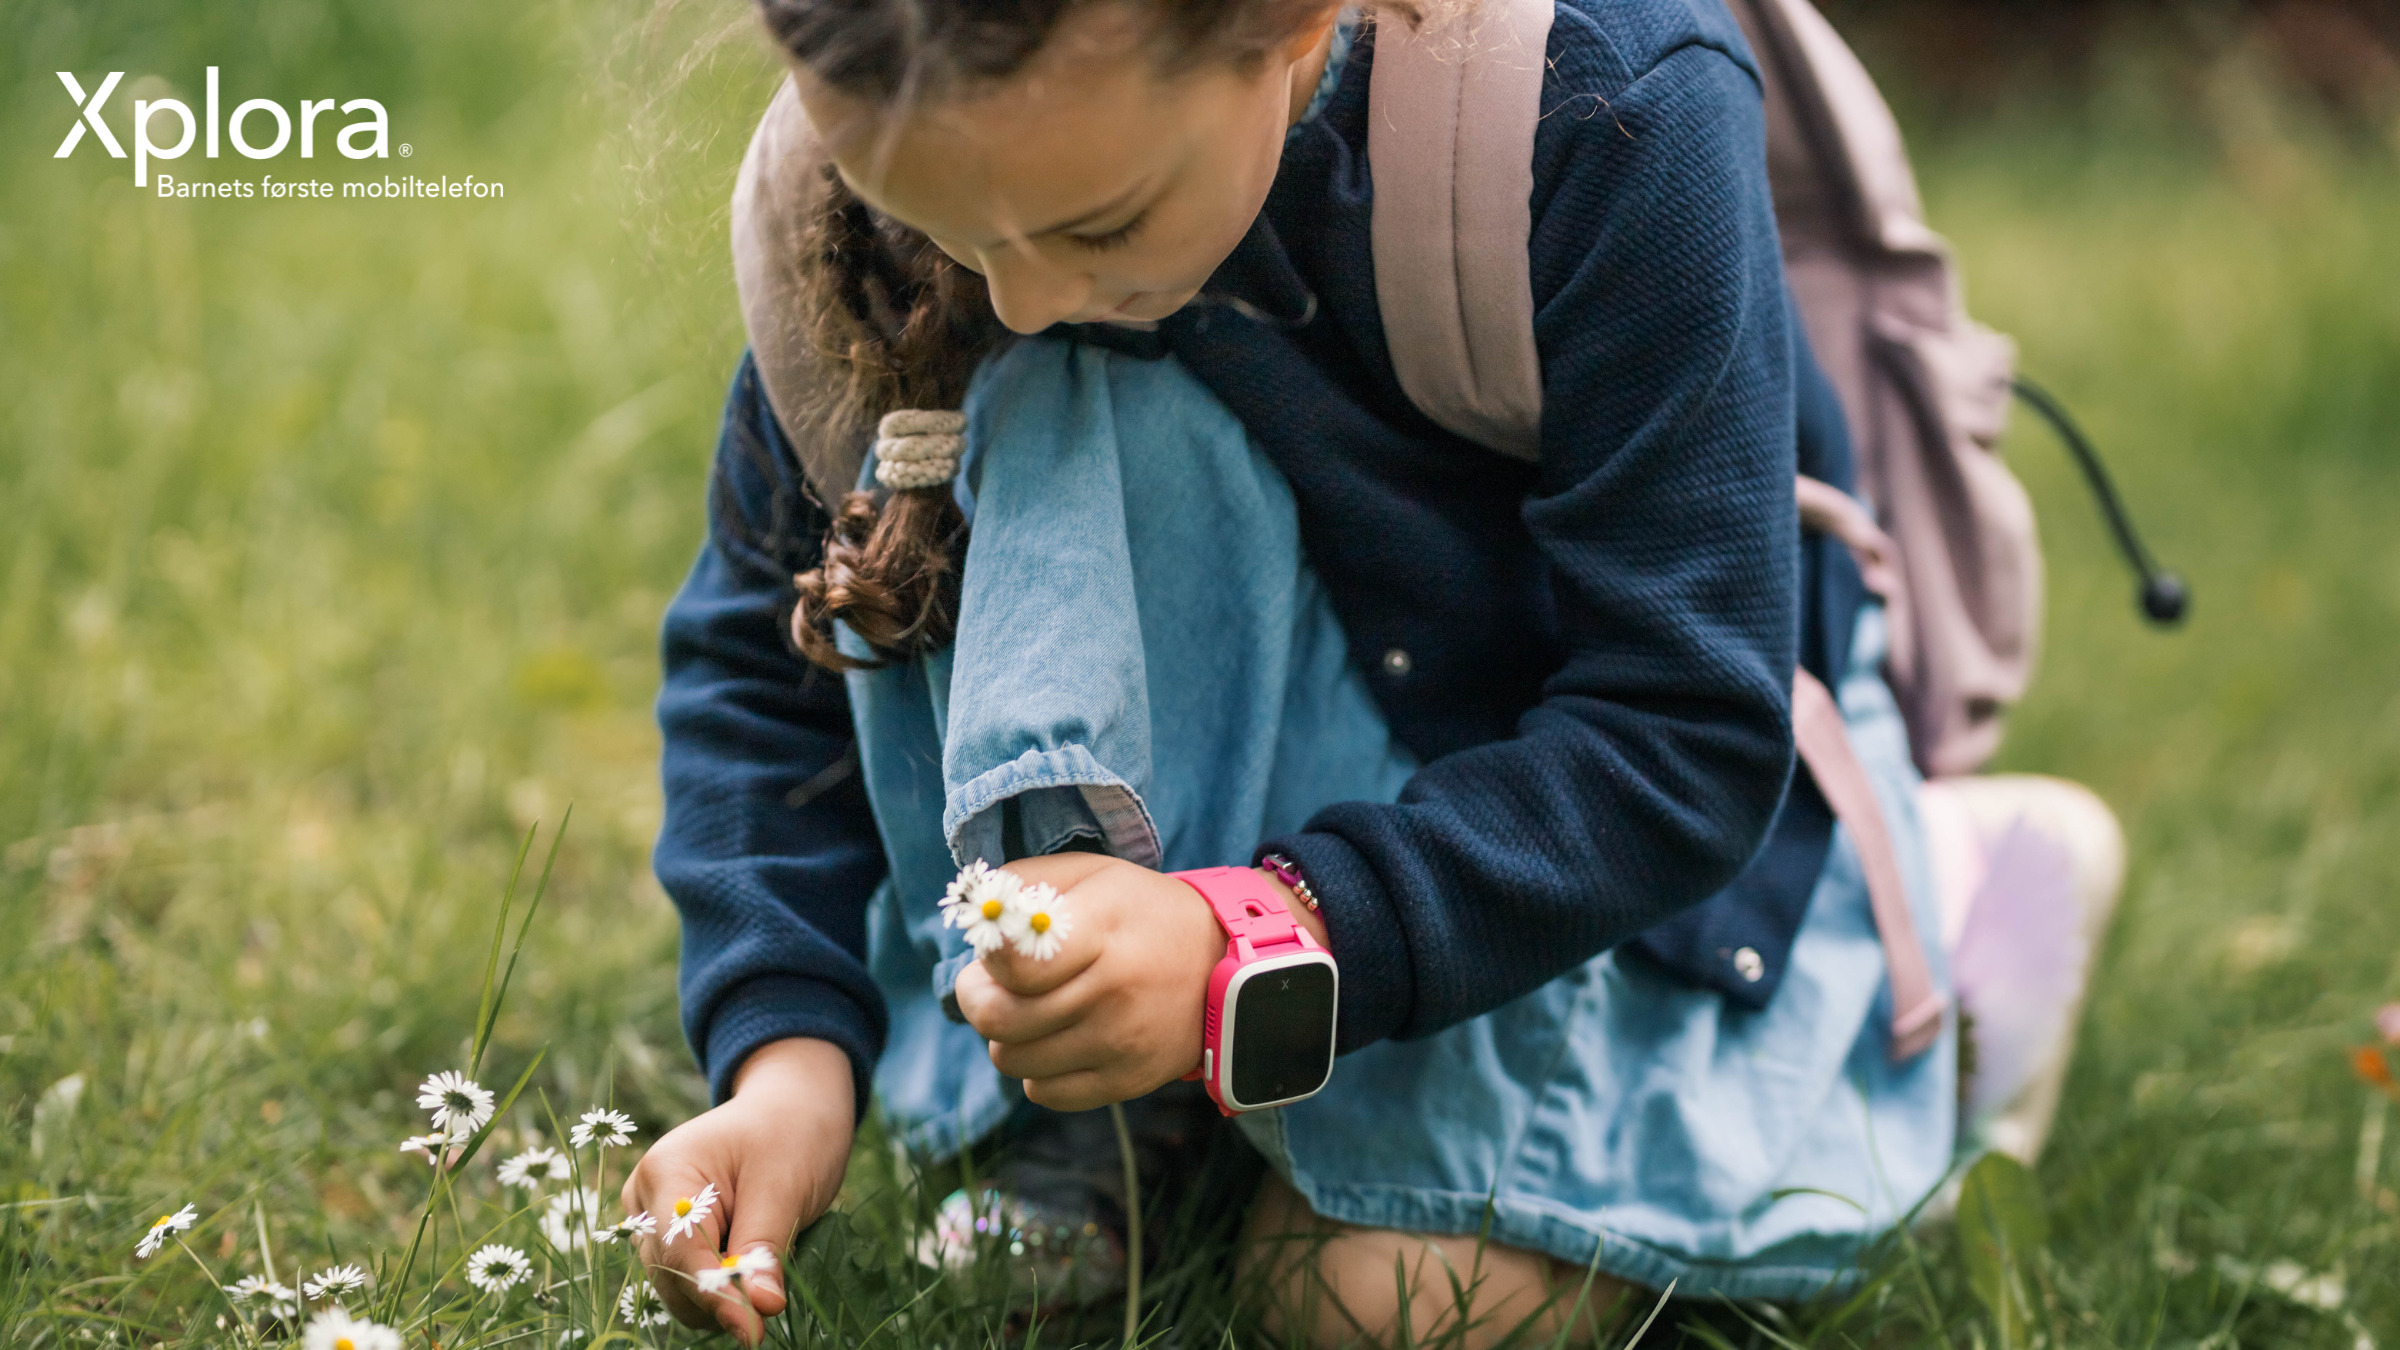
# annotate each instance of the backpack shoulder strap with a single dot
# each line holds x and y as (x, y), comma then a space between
(779, 188)
(1451, 117)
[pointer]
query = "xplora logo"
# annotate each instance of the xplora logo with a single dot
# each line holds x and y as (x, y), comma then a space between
(375, 128)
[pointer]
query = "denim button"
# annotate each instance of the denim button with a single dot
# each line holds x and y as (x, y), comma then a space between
(1397, 662)
(1752, 966)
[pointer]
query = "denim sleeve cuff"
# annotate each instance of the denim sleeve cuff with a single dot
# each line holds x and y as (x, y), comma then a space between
(1063, 792)
(768, 1008)
(1378, 982)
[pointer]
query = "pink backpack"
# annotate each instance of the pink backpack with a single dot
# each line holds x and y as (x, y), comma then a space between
(1925, 387)
(2027, 869)
(1952, 548)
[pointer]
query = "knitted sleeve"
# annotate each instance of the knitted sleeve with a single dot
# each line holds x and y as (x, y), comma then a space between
(768, 846)
(1651, 768)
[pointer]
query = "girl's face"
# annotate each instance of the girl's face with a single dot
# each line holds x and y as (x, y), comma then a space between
(1088, 187)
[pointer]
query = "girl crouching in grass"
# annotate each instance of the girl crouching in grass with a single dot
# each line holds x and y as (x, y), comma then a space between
(1153, 566)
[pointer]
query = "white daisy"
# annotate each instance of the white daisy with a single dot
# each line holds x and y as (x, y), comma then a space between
(168, 1225)
(979, 903)
(1038, 923)
(608, 1129)
(279, 1298)
(742, 1269)
(459, 1104)
(494, 1268)
(691, 1211)
(639, 1306)
(334, 1329)
(569, 1221)
(963, 888)
(338, 1280)
(535, 1166)
(631, 1226)
(430, 1146)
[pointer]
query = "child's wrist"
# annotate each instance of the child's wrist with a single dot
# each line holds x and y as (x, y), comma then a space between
(1299, 902)
(803, 1065)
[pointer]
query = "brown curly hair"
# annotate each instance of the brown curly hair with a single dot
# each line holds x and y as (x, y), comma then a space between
(903, 326)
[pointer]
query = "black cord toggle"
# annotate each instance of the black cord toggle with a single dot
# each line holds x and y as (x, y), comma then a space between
(2165, 598)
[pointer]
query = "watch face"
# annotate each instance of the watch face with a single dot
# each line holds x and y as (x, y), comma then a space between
(1280, 1032)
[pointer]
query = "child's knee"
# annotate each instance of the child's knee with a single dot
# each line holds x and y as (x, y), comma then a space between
(1326, 1284)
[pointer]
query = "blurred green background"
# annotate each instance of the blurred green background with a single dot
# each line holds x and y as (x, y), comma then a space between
(336, 536)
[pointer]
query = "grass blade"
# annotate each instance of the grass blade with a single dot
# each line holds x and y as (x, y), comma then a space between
(487, 1005)
(498, 993)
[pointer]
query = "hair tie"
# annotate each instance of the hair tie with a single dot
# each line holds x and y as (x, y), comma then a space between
(918, 448)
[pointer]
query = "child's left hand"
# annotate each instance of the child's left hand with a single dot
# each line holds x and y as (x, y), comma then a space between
(1117, 1012)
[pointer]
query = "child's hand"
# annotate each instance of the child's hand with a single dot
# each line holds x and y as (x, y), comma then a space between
(775, 1153)
(1117, 1012)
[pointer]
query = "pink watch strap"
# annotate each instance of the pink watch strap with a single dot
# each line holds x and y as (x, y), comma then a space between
(1245, 904)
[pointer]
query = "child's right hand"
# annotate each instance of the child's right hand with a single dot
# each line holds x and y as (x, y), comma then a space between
(775, 1152)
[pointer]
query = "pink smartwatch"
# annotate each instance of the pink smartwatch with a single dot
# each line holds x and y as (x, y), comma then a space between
(1267, 1039)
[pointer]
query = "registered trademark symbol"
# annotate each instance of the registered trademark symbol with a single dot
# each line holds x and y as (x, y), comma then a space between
(406, 150)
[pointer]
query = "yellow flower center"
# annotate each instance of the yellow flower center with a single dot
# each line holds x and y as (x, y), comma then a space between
(1039, 923)
(728, 1262)
(163, 1221)
(683, 1208)
(344, 1343)
(991, 909)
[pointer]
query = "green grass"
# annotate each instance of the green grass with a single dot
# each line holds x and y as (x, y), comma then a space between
(338, 535)
(2233, 336)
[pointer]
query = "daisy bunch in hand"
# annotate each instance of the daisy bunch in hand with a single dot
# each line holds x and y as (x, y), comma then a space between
(996, 908)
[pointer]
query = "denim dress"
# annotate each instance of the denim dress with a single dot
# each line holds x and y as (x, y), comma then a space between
(1145, 662)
